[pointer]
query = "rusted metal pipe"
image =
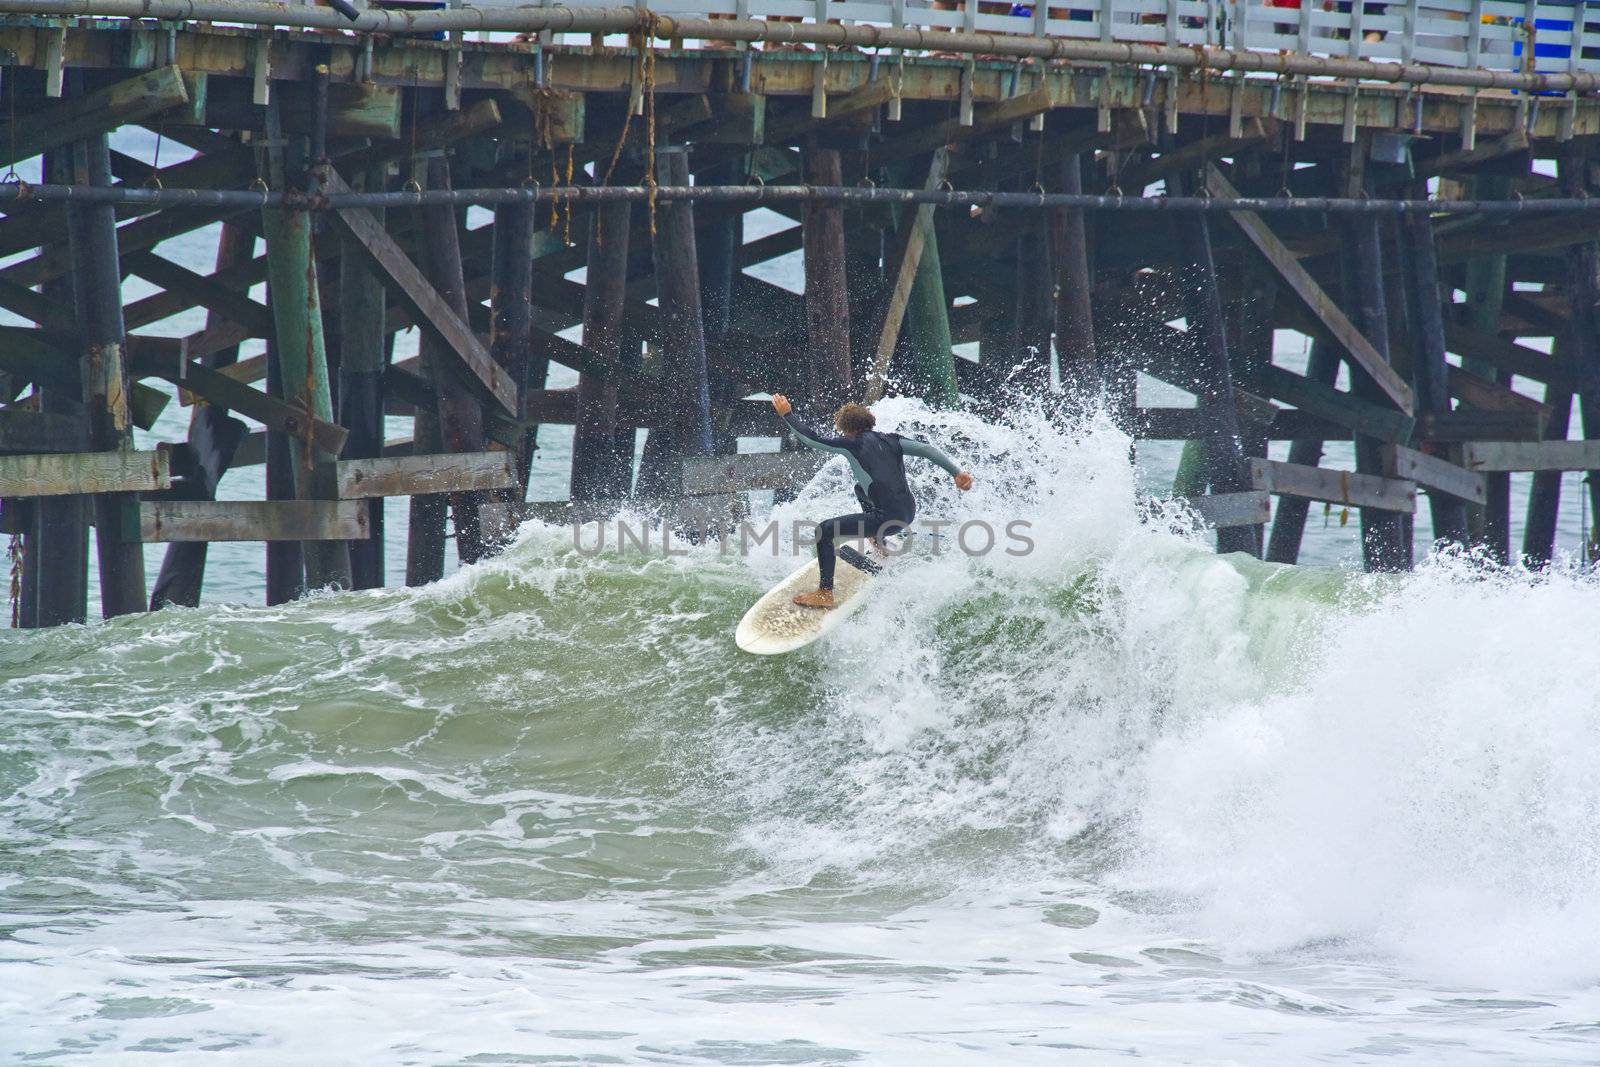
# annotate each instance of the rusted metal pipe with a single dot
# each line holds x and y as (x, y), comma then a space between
(755, 195)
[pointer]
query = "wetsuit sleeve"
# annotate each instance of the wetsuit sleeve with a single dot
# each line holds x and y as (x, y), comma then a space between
(819, 441)
(912, 447)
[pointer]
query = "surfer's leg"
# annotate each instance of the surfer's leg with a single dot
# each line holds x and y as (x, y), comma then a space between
(842, 526)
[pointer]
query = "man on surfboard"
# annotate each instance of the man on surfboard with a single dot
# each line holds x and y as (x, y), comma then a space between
(878, 462)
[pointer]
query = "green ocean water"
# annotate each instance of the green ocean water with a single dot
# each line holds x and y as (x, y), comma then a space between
(1117, 798)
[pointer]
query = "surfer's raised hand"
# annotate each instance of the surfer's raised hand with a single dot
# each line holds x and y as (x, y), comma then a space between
(963, 481)
(781, 405)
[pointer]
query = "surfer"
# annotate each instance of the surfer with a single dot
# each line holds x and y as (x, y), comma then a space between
(878, 462)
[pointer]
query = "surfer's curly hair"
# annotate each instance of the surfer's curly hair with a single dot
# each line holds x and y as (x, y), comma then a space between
(854, 419)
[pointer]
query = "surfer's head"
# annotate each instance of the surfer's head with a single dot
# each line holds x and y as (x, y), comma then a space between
(853, 419)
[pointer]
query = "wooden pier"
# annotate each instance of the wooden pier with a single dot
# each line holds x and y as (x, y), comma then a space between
(1440, 317)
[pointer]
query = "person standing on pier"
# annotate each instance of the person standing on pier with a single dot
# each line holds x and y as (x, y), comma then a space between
(878, 462)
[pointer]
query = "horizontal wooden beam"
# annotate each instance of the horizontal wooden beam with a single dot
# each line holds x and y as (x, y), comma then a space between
(1435, 473)
(250, 520)
(419, 475)
(1332, 486)
(71, 473)
(22, 430)
(1508, 356)
(1315, 298)
(1224, 510)
(1531, 455)
(1468, 425)
(707, 475)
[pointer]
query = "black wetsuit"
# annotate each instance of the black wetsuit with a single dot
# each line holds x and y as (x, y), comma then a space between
(878, 462)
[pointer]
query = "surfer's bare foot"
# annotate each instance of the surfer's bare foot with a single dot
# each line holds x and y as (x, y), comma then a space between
(821, 598)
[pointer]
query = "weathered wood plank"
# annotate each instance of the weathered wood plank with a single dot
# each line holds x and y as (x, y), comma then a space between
(223, 391)
(1435, 473)
(251, 520)
(70, 473)
(708, 475)
(1481, 426)
(1532, 455)
(1315, 299)
(371, 241)
(1507, 356)
(413, 475)
(22, 430)
(1334, 487)
(1227, 510)
(133, 100)
(1337, 407)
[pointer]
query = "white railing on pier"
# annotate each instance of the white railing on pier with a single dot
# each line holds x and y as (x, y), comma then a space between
(1508, 35)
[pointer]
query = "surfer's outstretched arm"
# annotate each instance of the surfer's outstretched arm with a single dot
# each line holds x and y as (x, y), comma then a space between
(822, 442)
(912, 447)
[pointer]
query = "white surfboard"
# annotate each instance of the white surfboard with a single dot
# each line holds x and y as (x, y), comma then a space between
(775, 624)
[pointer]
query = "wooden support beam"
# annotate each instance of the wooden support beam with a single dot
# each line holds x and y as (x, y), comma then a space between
(361, 365)
(711, 475)
(461, 416)
(686, 386)
(249, 520)
(874, 94)
(1531, 455)
(1222, 511)
(1508, 356)
(433, 313)
(97, 296)
(1299, 281)
(225, 392)
(511, 325)
(1328, 403)
(450, 472)
(22, 430)
(1334, 487)
(73, 473)
(1081, 363)
(994, 117)
(1483, 152)
(203, 291)
(1289, 522)
(92, 114)
(1435, 473)
(602, 453)
(827, 294)
(914, 239)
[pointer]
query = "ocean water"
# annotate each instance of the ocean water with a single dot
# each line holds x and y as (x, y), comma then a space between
(1115, 799)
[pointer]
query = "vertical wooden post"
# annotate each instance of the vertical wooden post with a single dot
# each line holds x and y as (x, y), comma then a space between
(460, 414)
(213, 436)
(600, 469)
(1544, 498)
(718, 234)
(1490, 525)
(930, 363)
(1224, 457)
(1383, 540)
(1430, 372)
(286, 569)
(302, 355)
(1034, 317)
(511, 322)
(97, 292)
(686, 416)
(827, 294)
(1289, 516)
(1080, 364)
(362, 351)
(56, 548)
